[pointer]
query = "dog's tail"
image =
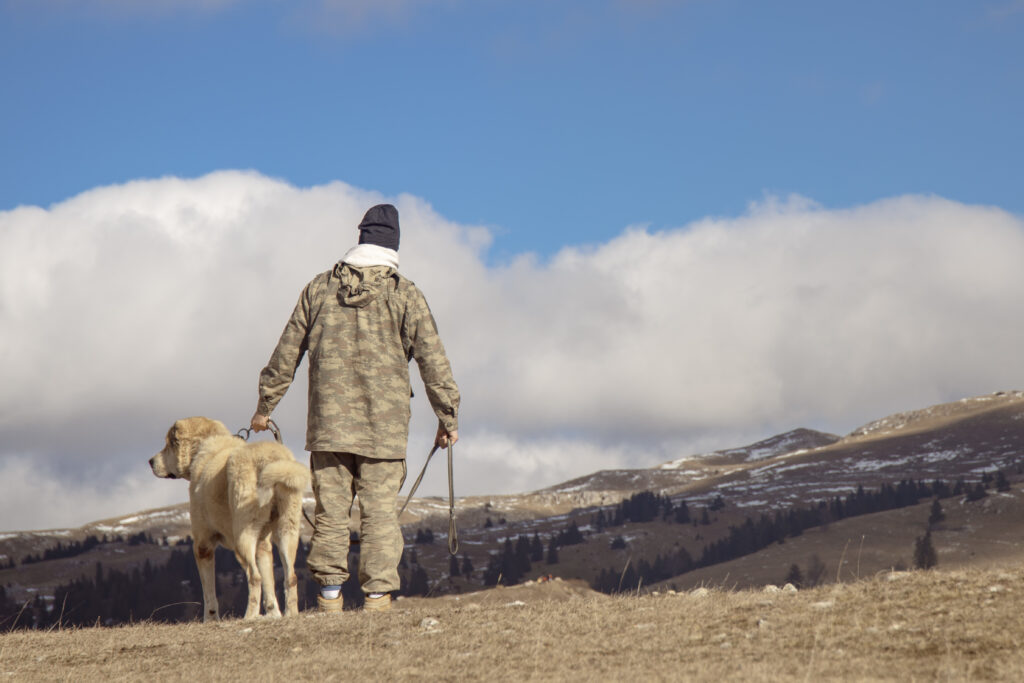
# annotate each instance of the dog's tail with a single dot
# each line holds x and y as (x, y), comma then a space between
(289, 475)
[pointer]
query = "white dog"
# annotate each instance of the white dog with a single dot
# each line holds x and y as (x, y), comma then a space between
(241, 495)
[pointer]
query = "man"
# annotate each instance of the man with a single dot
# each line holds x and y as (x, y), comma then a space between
(360, 323)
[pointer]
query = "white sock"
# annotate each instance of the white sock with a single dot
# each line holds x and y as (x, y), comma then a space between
(330, 592)
(376, 595)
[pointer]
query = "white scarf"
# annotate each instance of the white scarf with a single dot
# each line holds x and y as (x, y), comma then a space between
(366, 255)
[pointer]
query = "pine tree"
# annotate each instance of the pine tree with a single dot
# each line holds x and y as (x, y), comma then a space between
(571, 535)
(511, 569)
(536, 548)
(1002, 483)
(522, 554)
(467, 566)
(977, 492)
(418, 582)
(552, 551)
(925, 556)
(493, 571)
(682, 513)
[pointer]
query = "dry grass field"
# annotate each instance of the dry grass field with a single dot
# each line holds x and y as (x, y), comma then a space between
(920, 626)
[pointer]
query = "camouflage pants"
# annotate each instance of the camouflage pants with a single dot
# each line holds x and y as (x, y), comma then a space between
(337, 478)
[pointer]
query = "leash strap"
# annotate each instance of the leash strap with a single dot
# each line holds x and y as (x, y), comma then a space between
(453, 532)
(244, 433)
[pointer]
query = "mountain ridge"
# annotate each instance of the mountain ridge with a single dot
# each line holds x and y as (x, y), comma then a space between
(603, 487)
(966, 440)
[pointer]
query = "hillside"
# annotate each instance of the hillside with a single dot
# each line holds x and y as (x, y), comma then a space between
(934, 625)
(974, 535)
(965, 440)
(949, 441)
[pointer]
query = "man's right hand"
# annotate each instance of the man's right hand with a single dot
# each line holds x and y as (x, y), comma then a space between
(259, 422)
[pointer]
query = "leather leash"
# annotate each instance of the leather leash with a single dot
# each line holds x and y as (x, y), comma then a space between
(453, 532)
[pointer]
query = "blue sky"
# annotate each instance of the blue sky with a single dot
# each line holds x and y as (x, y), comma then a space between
(748, 217)
(552, 123)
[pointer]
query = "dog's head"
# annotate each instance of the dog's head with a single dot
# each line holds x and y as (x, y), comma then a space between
(183, 439)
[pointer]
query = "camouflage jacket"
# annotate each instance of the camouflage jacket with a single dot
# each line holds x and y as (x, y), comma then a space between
(361, 327)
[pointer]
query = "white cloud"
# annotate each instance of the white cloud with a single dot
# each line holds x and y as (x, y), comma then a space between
(789, 313)
(36, 497)
(129, 306)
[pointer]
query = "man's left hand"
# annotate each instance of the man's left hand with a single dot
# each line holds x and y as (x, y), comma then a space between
(444, 437)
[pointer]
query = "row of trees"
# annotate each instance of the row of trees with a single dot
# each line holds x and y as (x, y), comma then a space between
(171, 591)
(755, 534)
(644, 572)
(71, 549)
(647, 506)
(168, 592)
(638, 508)
(509, 566)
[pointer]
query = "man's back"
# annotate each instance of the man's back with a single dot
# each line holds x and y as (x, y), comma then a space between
(360, 327)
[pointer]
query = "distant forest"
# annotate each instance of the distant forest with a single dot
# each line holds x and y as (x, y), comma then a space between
(168, 592)
(755, 534)
(171, 592)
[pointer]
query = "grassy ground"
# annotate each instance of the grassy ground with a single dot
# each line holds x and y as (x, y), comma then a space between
(962, 625)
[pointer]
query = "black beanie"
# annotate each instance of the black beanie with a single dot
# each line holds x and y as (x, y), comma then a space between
(380, 227)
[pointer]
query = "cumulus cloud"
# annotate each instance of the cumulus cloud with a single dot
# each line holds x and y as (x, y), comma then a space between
(790, 313)
(129, 306)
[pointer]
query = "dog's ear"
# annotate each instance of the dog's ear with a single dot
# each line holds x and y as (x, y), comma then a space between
(188, 434)
(183, 445)
(172, 435)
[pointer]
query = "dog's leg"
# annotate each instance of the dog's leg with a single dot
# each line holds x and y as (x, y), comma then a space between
(245, 551)
(203, 549)
(287, 537)
(265, 560)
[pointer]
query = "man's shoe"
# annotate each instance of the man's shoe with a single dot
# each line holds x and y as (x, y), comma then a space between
(329, 605)
(377, 602)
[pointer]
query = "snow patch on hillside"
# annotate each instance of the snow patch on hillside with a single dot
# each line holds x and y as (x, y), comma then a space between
(795, 442)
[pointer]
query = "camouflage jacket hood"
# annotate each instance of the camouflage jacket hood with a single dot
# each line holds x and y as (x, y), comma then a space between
(359, 286)
(360, 328)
